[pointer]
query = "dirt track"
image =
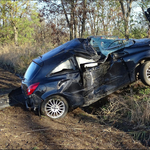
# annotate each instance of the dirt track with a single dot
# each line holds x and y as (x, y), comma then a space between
(21, 129)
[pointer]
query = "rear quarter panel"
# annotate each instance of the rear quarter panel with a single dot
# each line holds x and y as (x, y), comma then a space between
(135, 56)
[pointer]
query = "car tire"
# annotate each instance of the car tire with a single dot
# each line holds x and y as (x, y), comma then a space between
(145, 73)
(54, 107)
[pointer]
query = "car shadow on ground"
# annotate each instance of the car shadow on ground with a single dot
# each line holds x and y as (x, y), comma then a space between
(32, 132)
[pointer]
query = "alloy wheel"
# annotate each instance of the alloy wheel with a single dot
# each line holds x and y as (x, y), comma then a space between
(54, 108)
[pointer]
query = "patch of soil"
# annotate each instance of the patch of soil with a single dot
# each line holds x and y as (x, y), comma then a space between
(21, 129)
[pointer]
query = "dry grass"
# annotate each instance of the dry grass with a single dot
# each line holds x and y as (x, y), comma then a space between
(17, 58)
(133, 106)
(129, 110)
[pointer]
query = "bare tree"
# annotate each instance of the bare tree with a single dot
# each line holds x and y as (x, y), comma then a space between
(126, 10)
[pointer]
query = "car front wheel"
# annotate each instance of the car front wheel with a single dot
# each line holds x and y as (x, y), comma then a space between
(145, 73)
(55, 107)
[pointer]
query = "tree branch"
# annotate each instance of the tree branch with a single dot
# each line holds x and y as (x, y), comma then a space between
(122, 7)
(65, 13)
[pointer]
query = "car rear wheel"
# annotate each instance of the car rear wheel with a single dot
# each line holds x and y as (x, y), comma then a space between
(55, 107)
(145, 73)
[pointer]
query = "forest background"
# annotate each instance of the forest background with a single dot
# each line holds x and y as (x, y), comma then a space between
(30, 28)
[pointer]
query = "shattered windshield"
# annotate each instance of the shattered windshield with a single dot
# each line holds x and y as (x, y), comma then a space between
(107, 46)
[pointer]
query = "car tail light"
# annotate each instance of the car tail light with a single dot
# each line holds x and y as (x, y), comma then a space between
(32, 88)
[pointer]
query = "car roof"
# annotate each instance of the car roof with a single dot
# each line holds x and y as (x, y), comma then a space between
(78, 46)
(75, 43)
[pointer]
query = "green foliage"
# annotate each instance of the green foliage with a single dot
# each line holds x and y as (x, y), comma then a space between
(139, 134)
(17, 21)
(35, 148)
(138, 33)
(144, 91)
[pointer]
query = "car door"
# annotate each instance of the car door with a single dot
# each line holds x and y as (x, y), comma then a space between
(117, 74)
(104, 78)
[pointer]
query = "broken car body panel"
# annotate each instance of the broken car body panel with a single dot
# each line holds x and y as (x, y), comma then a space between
(79, 72)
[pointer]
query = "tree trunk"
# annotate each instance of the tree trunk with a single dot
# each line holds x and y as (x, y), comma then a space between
(70, 24)
(71, 32)
(84, 18)
(126, 15)
(15, 36)
(79, 30)
(103, 20)
(97, 30)
(71, 19)
(74, 24)
(126, 31)
(75, 29)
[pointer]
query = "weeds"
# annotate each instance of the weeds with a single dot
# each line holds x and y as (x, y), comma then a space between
(35, 148)
(17, 58)
(128, 111)
(143, 135)
(135, 108)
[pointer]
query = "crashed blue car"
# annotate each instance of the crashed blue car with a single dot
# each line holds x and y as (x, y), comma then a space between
(82, 71)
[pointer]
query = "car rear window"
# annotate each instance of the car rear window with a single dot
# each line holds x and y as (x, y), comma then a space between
(31, 71)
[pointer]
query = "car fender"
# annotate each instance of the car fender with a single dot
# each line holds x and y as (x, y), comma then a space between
(132, 61)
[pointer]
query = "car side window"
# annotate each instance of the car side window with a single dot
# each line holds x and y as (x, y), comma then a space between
(64, 67)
